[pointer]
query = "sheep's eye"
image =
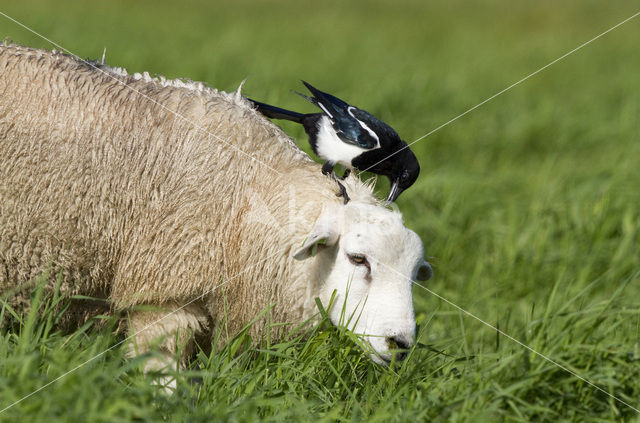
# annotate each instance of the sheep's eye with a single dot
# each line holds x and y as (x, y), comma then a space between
(358, 259)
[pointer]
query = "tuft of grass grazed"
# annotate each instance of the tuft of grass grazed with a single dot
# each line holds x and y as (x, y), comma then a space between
(529, 209)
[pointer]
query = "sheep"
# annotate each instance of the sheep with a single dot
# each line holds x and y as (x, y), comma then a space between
(142, 191)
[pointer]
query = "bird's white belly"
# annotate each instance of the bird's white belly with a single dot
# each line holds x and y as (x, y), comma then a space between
(332, 148)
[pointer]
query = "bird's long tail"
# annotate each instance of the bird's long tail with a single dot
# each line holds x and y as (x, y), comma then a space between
(273, 112)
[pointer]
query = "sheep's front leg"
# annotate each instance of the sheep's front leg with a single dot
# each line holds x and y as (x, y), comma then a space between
(169, 329)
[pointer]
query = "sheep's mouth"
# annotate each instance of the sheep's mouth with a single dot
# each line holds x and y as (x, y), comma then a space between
(396, 354)
(380, 359)
(390, 352)
(385, 359)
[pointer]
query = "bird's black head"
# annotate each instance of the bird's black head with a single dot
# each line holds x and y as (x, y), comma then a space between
(404, 174)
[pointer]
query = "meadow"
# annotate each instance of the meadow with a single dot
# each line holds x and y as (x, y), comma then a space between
(528, 207)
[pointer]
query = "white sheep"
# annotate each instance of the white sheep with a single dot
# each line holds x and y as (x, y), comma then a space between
(143, 191)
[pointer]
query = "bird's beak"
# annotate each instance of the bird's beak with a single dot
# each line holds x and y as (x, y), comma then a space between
(394, 191)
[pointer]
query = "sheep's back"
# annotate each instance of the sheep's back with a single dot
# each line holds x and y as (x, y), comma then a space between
(103, 184)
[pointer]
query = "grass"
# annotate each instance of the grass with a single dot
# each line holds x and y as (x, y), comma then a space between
(529, 206)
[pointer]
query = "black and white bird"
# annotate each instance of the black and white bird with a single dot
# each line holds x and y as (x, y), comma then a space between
(354, 138)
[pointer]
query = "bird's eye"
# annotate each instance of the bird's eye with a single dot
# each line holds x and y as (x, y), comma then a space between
(358, 259)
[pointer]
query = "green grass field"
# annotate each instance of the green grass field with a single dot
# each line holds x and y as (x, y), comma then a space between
(529, 207)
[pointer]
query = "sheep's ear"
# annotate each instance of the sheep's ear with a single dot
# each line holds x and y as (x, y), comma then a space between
(325, 232)
(425, 271)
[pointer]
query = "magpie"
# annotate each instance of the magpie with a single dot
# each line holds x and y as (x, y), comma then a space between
(352, 137)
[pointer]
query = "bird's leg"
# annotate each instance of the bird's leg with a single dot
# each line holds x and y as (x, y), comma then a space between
(327, 168)
(343, 192)
(346, 173)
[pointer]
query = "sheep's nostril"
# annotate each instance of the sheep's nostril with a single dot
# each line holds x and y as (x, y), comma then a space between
(399, 343)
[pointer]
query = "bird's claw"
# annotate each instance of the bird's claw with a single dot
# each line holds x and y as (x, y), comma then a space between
(343, 192)
(327, 169)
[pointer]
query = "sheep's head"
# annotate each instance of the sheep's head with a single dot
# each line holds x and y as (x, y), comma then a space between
(370, 259)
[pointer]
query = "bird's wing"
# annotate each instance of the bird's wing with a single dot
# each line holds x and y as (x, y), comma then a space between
(375, 125)
(347, 126)
(351, 131)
